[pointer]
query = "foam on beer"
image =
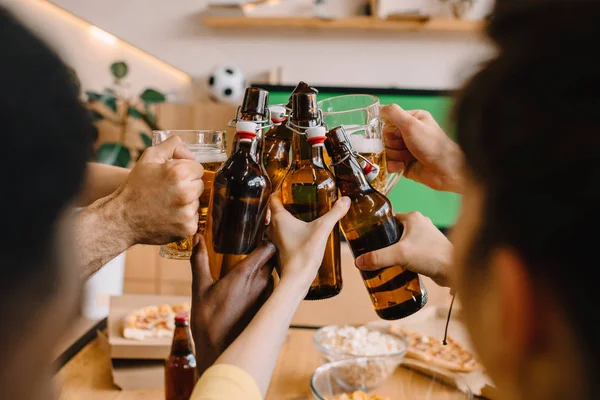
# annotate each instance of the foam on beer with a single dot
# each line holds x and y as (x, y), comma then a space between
(365, 145)
(204, 154)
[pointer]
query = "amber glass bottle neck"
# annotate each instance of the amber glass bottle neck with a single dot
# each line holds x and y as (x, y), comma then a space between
(301, 149)
(350, 176)
(182, 344)
(246, 147)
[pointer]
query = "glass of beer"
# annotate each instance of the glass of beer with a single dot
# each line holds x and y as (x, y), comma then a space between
(209, 148)
(359, 114)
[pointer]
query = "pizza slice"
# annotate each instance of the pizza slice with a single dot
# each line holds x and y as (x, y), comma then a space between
(452, 357)
(152, 321)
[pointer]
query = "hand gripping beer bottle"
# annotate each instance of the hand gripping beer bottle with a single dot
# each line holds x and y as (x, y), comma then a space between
(241, 191)
(309, 191)
(370, 225)
(254, 108)
(278, 140)
(180, 368)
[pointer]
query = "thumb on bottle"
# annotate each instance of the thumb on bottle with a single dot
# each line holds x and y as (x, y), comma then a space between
(201, 276)
(337, 212)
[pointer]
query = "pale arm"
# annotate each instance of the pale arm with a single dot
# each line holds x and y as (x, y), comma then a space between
(100, 181)
(257, 348)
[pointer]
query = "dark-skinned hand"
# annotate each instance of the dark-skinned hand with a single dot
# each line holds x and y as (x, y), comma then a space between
(222, 309)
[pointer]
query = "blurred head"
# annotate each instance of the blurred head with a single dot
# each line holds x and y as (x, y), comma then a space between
(45, 135)
(526, 238)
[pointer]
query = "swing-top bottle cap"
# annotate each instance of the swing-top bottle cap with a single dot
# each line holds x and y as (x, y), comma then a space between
(370, 170)
(246, 129)
(278, 114)
(316, 135)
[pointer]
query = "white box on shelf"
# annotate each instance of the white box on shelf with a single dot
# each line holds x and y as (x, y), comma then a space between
(263, 9)
(335, 9)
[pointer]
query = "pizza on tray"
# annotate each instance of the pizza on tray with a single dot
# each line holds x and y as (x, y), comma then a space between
(452, 356)
(152, 321)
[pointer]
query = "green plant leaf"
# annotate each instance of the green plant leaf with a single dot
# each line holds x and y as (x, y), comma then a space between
(96, 116)
(110, 91)
(106, 99)
(114, 154)
(146, 139)
(150, 120)
(151, 96)
(119, 69)
(134, 112)
(151, 117)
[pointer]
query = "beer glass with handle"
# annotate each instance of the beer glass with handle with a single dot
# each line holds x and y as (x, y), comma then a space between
(359, 114)
(209, 149)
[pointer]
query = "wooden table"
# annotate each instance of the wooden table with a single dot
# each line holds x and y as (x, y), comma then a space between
(88, 374)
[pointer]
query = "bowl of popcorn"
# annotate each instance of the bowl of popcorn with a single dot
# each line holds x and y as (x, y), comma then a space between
(376, 353)
(411, 379)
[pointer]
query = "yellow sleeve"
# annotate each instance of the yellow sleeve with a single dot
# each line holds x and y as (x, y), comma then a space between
(226, 382)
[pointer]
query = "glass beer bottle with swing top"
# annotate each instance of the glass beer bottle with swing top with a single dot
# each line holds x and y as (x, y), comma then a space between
(370, 225)
(309, 190)
(241, 191)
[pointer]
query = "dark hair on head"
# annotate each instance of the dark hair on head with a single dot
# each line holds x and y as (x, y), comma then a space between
(528, 124)
(45, 136)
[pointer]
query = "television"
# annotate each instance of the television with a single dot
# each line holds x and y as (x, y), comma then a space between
(408, 195)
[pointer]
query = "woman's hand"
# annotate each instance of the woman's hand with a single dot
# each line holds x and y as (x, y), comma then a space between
(301, 245)
(416, 145)
(422, 249)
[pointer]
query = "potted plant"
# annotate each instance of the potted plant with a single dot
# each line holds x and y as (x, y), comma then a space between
(124, 123)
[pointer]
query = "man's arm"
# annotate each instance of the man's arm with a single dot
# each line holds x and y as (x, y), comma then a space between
(156, 204)
(100, 181)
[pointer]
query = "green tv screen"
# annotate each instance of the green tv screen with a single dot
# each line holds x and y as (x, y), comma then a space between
(407, 196)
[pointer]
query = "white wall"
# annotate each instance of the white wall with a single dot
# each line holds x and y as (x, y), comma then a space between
(173, 31)
(89, 56)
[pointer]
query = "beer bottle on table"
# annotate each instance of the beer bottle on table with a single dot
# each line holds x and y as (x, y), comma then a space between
(241, 191)
(278, 140)
(309, 191)
(371, 225)
(180, 368)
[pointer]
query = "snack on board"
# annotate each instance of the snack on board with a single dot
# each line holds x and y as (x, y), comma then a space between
(359, 396)
(452, 357)
(384, 350)
(152, 321)
(359, 341)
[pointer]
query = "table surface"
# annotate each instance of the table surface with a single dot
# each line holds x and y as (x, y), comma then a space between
(88, 374)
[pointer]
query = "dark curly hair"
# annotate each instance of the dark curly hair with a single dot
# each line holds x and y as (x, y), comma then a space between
(45, 136)
(529, 126)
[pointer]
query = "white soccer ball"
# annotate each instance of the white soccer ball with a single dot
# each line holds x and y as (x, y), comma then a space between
(227, 84)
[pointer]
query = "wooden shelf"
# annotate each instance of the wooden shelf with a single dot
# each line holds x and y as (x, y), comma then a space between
(354, 24)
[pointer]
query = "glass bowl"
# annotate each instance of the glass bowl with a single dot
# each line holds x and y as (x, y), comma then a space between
(411, 379)
(372, 370)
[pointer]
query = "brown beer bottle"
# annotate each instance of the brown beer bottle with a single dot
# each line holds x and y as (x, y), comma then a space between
(180, 369)
(255, 109)
(370, 225)
(309, 191)
(278, 140)
(276, 149)
(241, 191)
